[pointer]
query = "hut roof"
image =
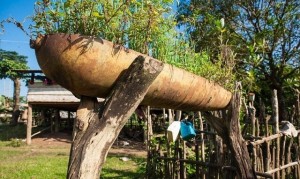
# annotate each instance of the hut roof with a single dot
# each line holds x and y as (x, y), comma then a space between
(54, 96)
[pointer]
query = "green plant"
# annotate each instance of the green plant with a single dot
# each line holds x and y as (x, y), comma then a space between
(15, 142)
(131, 23)
(5, 119)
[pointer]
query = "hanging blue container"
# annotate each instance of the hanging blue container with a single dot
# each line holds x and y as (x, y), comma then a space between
(187, 130)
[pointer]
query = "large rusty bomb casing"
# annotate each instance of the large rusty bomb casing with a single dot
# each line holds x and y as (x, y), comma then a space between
(90, 66)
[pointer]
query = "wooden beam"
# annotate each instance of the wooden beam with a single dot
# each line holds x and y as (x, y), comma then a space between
(40, 131)
(283, 167)
(267, 139)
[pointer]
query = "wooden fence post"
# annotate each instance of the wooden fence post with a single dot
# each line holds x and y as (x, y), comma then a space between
(170, 116)
(29, 125)
(275, 116)
(229, 129)
(203, 176)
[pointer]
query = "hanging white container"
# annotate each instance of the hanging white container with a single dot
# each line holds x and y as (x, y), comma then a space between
(173, 131)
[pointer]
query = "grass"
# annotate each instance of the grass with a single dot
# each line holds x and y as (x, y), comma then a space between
(27, 163)
(115, 168)
(37, 162)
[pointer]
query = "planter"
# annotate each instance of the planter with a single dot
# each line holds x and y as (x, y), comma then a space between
(90, 66)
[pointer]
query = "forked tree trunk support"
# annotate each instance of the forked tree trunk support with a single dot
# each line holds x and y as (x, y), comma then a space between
(97, 128)
(228, 128)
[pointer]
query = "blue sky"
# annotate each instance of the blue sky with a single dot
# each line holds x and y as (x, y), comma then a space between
(13, 39)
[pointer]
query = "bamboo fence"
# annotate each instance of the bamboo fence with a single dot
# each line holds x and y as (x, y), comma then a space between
(273, 154)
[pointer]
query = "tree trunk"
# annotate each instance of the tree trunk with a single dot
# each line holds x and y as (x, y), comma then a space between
(29, 125)
(281, 104)
(229, 129)
(16, 99)
(97, 128)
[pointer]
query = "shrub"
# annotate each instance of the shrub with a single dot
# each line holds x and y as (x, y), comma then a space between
(15, 142)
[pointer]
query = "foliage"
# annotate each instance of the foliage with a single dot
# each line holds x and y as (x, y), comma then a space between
(219, 71)
(10, 60)
(130, 23)
(15, 142)
(5, 103)
(264, 34)
(5, 119)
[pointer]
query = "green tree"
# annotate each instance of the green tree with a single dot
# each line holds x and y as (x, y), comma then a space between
(132, 23)
(264, 34)
(9, 61)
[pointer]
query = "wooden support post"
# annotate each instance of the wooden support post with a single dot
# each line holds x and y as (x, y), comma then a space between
(229, 129)
(57, 121)
(203, 176)
(184, 158)
(69, 120)
(282, 156)
(96, 130)
(178, 115)
(29, 125)
(149, 126)
(181, 164)
(197, 160)
(164, 117)
(170, 116)
(289, 155)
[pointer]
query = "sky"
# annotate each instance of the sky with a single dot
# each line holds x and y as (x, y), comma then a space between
(13, 39)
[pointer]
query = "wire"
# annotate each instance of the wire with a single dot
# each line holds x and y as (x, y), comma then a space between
(13, 41)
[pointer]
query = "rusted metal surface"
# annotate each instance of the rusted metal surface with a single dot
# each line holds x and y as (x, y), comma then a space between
(90, 66)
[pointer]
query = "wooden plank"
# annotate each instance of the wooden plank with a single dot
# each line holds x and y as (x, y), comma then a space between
(283, 167)
(40, 131)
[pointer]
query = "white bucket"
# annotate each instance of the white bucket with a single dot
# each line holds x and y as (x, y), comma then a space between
(173, 131)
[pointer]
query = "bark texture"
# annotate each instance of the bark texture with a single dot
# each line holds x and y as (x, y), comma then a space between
(228, 128)
(97, 128)
(16, 98)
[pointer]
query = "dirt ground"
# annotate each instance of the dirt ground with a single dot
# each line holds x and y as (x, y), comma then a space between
(124, 147)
